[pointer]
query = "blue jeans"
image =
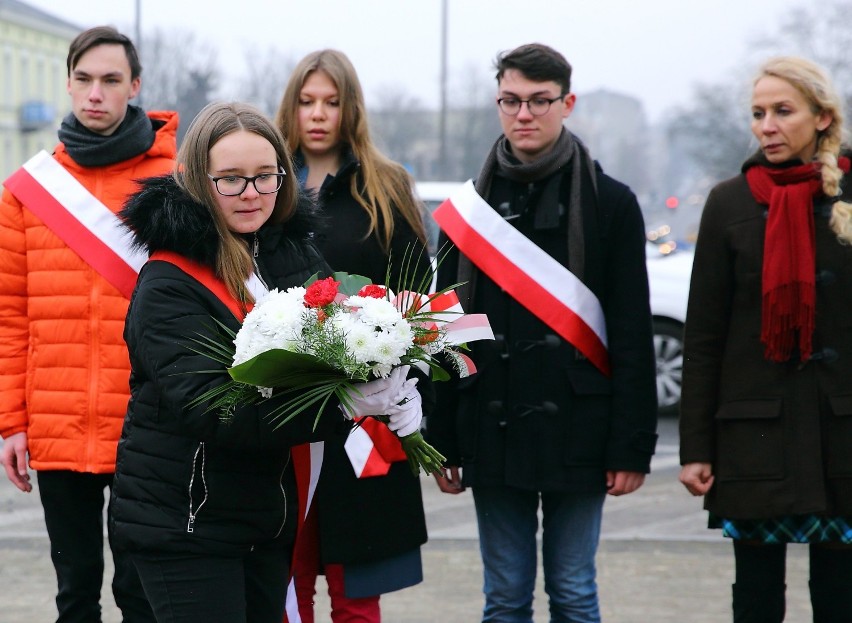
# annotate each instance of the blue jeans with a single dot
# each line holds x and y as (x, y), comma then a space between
(508, 524)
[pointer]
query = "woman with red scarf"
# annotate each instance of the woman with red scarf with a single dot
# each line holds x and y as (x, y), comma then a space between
(766, 413)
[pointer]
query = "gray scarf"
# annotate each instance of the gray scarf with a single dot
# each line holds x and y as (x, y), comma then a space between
(568, 151)
(135, 135)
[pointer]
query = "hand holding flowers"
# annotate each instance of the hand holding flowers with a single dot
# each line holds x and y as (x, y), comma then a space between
(377, 397)
(347, 339)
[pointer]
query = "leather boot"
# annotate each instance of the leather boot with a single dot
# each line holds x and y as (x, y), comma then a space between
(758, 604)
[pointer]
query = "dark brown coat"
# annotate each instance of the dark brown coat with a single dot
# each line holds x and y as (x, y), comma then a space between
(779, 436)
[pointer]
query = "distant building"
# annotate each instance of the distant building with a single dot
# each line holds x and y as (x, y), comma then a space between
(33, 78)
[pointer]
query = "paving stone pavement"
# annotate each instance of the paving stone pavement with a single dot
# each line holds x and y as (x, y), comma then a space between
(657, 562)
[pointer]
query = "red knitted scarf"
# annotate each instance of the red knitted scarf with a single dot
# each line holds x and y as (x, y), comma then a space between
(789, 256)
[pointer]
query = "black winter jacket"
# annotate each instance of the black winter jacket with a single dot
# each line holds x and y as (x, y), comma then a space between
(185, 481)
(365, 536)
(537, 415)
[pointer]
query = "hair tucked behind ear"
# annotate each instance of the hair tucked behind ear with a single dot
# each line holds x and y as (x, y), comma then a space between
(813, 83)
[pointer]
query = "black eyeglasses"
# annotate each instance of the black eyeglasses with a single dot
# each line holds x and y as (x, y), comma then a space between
(264, 184)
(537, 106)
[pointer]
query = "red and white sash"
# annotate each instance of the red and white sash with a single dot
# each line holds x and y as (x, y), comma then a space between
(532, 277)
(75, 215)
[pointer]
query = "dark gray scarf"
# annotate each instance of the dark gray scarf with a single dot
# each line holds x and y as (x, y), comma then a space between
(135, 135)
(568, 151)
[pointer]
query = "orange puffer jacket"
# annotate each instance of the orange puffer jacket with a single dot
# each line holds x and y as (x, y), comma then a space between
(64, 367)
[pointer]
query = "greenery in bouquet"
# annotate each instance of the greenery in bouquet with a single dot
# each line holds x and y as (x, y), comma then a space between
(317, 342)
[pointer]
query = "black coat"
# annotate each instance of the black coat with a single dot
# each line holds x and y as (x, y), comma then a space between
(184, 480)
(778, 434)
(538, 416)
(389, 519)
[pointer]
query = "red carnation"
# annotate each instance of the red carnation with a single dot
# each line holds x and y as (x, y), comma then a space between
(372, 291)
(321, 292)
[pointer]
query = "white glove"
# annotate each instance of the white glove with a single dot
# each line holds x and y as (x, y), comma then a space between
(405, 417)
(376, 397)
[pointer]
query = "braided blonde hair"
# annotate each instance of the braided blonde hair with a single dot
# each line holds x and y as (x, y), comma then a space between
(813, 83)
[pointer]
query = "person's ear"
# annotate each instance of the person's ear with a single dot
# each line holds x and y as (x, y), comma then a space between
(135, 85)
(568, 104)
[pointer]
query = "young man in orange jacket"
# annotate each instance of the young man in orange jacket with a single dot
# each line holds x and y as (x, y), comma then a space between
(66, 275)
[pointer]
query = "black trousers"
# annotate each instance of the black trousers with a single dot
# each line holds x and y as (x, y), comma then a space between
(73, 505)
(193, 588)
(760, 582)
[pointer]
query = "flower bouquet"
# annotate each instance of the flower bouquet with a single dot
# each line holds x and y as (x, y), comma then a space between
(318, 341)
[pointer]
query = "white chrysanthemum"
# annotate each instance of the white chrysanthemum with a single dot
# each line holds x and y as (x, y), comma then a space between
(402, 332)
(387, 348)
(275, 322)
(360, 341)
(376, 312)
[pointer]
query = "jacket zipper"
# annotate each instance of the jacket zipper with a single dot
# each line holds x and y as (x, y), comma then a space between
(255, 252)
(284, 494)
(190, 525)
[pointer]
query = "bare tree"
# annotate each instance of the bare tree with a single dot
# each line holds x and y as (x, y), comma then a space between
(403, 127)
(712, 131)
(265, 77)
(474, 123)
(180, 73)
(820, 33)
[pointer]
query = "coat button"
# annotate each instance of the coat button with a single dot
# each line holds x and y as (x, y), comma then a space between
(546, 407)
(826, 355)
(825, 277)
(495, 407)
(500, 345)
(548, 342)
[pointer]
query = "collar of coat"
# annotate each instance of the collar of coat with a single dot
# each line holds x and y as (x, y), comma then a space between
(161, 216)
(349, 166)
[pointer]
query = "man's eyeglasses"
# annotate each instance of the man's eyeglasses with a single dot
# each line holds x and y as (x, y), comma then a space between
(537, 106)
(232, 185)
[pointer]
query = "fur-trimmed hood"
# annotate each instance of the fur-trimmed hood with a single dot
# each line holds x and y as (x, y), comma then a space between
(163, 217)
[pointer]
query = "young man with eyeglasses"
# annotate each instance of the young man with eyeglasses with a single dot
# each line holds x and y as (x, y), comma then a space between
(563, 408)
(66, 275)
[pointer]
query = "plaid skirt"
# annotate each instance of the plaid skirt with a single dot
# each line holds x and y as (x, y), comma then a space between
(789, 529)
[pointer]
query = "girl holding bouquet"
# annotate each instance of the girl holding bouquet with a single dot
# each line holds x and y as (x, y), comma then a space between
(371, 218)
(208, 507)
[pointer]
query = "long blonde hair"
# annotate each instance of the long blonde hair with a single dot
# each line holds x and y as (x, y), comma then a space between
(813, 83)
(386, 184)
(213, 123)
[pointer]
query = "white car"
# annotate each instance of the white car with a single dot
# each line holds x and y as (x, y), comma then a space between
(668, 277)
(668, 280)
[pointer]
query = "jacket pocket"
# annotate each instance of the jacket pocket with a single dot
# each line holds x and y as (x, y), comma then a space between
(588, 412)
(839, 458)
(749, 440)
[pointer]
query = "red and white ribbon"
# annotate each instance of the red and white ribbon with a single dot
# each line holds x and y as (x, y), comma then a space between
(307, 463)
(532, 277)
(372, 448)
